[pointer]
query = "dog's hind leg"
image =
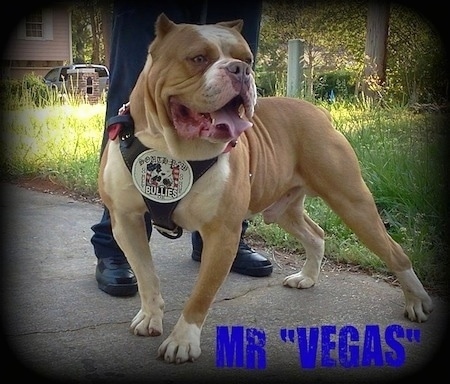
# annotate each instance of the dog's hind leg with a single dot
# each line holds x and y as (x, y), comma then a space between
(312, 238)
(293, 219)
(356, 206)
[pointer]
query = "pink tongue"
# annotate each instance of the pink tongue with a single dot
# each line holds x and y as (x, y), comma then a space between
(230, 117)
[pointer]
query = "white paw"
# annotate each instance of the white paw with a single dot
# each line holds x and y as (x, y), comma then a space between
(418, 304)
(183, 344)
(417, 309)
(299, 280)
(146, 325)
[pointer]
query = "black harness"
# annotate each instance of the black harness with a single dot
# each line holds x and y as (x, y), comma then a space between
(122, 126)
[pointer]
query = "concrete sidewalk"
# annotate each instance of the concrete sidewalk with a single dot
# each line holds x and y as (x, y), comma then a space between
(58, 324)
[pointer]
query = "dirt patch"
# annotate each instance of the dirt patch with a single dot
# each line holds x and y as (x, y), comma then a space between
(46, 185)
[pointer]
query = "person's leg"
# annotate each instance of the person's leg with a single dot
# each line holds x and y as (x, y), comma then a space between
(133, 30)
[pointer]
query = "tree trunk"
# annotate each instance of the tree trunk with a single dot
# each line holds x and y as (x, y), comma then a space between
(375, 50)
(106, 12)
(309, 78)
(95, 58)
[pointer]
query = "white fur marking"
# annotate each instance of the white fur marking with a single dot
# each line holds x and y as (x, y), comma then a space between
(417, 302)
(216, 35)
(183, 344)
(201, 203)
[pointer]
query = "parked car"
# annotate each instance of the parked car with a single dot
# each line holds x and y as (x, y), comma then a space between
(57, 76)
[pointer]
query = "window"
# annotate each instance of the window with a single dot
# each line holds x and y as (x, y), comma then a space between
(53, 75)
(34, 25)
(37, 25)
(101, 72)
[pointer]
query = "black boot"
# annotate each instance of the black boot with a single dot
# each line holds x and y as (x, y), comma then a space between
(115, 276)
(247, 262)
(113, 273)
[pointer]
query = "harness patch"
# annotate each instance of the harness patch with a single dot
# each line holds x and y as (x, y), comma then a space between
(161, 178)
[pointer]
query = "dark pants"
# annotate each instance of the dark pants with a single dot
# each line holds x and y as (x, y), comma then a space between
(132, 32)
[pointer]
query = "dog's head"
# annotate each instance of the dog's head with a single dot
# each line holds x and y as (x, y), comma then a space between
(197, 88)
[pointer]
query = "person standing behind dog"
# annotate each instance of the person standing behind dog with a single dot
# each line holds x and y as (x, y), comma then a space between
(132, 32)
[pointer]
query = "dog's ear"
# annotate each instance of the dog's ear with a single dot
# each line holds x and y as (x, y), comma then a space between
(163, 25)
(235, 24)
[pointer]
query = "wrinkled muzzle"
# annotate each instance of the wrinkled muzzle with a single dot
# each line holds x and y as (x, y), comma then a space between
(226, 104)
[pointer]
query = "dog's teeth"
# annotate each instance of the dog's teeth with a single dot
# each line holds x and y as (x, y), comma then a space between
(249, 111)
(213, 121)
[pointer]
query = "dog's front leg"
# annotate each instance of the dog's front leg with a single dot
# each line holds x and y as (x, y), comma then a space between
(219, 250)
(130, 233)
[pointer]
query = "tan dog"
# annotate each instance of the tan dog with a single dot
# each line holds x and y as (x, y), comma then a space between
(193, 100)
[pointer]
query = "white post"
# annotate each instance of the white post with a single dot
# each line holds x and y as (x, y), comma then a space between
(295, 68)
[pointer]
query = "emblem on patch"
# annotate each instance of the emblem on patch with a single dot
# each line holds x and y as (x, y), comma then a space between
(161, 178)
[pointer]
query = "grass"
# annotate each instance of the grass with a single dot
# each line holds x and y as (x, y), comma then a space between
(61, 143)
(401, 157)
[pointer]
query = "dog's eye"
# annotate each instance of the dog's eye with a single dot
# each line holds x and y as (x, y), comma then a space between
(248, 60)
(200, 59)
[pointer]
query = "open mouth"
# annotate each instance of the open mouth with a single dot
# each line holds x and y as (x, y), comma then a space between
(222, 125)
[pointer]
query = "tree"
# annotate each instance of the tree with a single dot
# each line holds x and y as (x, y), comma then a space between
(80, 34)
(96, 26)
(106, 13)
(375, 50)
(332, 31)
(417, 65)
(91, 24)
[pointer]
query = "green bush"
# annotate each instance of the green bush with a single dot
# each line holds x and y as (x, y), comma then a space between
(339, 83)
